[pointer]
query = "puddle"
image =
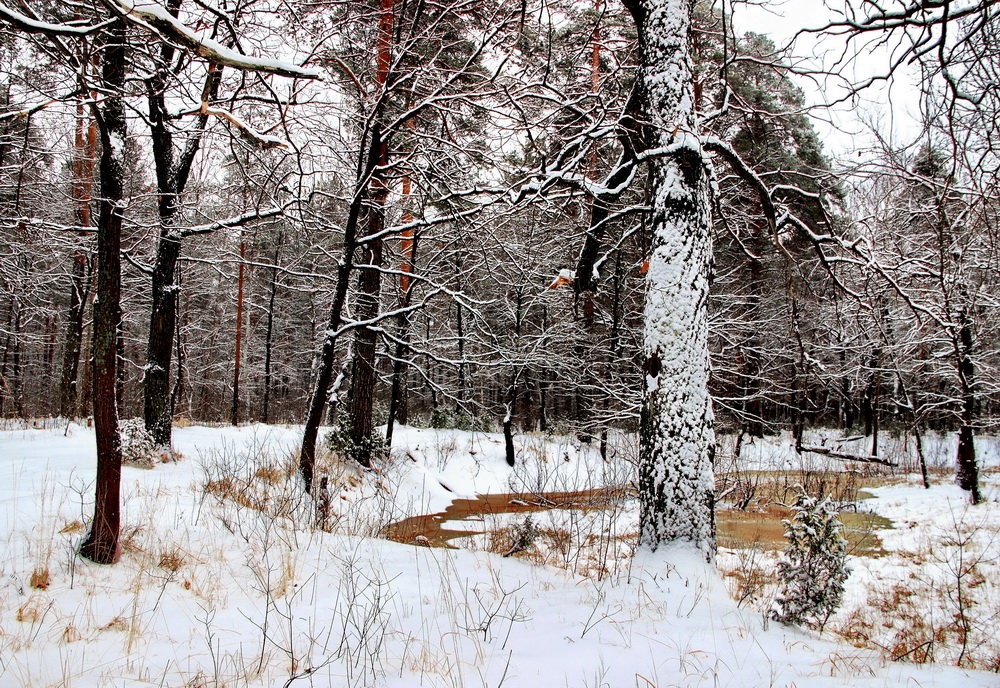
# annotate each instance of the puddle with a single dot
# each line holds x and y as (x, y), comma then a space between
(760, 528)
(764, 528)
(429, 529)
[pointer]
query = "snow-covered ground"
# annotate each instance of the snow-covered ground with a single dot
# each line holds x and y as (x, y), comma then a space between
(225, 581)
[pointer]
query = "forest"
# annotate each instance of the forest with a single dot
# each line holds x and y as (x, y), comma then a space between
(639, 293)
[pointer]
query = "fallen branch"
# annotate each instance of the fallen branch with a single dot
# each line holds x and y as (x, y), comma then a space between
(826, 451)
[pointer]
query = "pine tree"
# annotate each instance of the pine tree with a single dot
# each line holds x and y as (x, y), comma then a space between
(813, 569)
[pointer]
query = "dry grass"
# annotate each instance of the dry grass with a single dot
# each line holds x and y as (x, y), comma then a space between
(72, 527)
(33, 609)
(171, 560)
(40, 579)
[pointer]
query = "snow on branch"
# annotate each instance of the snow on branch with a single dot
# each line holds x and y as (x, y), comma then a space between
(236, 221)
(261, 139)
(29, 25)
(156, 17)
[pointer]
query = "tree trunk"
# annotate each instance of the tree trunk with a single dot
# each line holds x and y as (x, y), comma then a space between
(967, 475)
(752, 407)
(269, 332)
(676, 435)
(101, 545)
(83, 171)
(171, 179)
(234, 409)
(363, 376)
(397, 397)
(157, 407)
(324, 375)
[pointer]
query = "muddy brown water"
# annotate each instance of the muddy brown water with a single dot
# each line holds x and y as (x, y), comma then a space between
(428, 529)
(758, 528)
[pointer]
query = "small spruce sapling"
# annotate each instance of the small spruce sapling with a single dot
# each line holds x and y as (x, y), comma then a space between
(138, 446)
(813, 569)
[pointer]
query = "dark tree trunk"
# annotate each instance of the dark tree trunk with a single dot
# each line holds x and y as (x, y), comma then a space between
(919, 443)
(269, 332)
(101, 545)
(68, 389)
(234, 409)
(157, 407)
(171, 179)
(178, 389)
(324, 375)
(752, 407)
(398, 394)
(967, 474)
(508, 425)
(363, 373)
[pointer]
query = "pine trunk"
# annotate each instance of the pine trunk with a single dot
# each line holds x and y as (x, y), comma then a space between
(676, 434)
(101, 545)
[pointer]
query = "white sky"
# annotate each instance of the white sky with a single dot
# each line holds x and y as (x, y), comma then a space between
(893, 108)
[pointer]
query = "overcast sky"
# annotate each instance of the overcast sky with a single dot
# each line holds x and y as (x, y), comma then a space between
(893, 108)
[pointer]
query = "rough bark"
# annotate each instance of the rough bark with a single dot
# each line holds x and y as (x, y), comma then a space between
(676, 434)
(101, 545)
(171, 179)
(363, 373)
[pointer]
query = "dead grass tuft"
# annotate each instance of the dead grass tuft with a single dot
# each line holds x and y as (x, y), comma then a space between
(72, 527)
(33, 610)
(171, 561)
(71, 634)
(40, 579)
(116, 624)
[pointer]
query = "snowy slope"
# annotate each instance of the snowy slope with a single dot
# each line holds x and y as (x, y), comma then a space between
(209, 593)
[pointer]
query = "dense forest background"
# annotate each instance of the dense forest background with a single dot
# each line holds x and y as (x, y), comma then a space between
(470, 164)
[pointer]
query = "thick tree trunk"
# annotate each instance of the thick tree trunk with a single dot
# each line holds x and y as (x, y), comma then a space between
(676, 435)
(363, 373)
(324, 375)
(101, 544)
(157, 409)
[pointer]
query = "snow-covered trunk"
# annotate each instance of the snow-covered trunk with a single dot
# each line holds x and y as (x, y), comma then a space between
(676, 436)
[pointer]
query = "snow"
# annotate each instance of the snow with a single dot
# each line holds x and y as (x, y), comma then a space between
(209, 592)
(161, 20)
(34, 26)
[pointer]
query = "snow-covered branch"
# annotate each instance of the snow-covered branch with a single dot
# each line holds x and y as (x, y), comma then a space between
(156, 17)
